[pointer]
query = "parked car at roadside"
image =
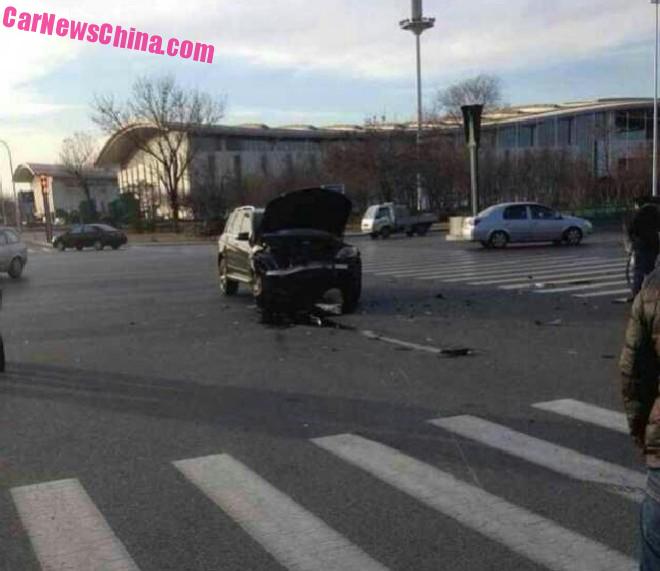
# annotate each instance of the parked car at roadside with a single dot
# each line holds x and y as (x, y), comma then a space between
(501, 224)
(13, 253)
(386, 219)
(97, 236)
(291, 252)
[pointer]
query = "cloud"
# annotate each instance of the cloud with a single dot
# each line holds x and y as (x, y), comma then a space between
(363, 38)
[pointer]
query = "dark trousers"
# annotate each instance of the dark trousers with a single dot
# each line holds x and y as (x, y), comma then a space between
(650, 527)
(644, 265)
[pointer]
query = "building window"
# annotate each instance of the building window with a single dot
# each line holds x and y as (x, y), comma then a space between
(566, 132)
(527, 137)
(238, 168)
(211, 168)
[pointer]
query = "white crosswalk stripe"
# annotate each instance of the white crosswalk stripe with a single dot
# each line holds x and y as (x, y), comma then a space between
(67, 530)
(295, 537)
(522, 531)
(69, 533)
(627, 483)
(587, 413)
(543, 274)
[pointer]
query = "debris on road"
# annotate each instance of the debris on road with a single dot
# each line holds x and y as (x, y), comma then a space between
(553, 323)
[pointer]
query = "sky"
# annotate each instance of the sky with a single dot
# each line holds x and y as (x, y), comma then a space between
(319, 62)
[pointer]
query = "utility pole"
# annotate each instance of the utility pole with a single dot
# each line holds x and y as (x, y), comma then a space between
(13, 185)
(44, 193)
(472, 123)
(418, 24)
(2, 198)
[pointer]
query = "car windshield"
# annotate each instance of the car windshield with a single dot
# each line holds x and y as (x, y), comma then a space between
(278, 291)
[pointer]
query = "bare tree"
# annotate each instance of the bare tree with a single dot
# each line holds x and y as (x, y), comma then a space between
(77, 155)
(482, 89)
(171, 114)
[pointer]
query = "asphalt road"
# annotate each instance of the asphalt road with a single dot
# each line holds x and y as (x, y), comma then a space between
(147, 423)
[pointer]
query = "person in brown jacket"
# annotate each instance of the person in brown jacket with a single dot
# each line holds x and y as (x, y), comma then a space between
(639, 365)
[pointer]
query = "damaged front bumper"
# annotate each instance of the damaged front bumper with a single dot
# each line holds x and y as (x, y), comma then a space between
(306, 284)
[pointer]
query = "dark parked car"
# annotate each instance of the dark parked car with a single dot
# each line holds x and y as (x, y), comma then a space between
(291, 252)
(90, 235)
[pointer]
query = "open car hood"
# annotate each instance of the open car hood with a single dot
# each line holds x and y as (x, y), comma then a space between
(312, 208)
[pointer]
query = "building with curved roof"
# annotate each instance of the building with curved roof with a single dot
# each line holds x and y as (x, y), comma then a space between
(610, 133)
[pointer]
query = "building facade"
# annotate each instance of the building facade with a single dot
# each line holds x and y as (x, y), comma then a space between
(609, 136)
(64, 191)
(225, 158)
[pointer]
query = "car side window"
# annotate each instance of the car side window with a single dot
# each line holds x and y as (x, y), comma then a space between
(246, 224)
(542, 213)
(383, 213)
(518, 212)
(76, 230)
(12, 238)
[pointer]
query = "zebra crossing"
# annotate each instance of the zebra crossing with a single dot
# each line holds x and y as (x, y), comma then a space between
(68, 532)
(548, 273)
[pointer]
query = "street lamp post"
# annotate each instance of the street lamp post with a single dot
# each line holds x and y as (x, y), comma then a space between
(418, 24)
(654, 184)
(13, 185)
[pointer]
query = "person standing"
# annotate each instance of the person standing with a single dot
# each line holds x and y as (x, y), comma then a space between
(639, 366)
(643, 228)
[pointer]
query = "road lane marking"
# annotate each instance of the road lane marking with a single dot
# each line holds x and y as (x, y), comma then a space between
(603, 417)
(467, 266)
(627, 483)
(66, 529)
(605, 293)
(563, 279)
(495, 270)
(580, 288)
(292, 535)
(522, 531)
(524, 271)
(613, 269)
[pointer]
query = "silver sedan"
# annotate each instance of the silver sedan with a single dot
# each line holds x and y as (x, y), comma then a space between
(502, 224)
(13, 253)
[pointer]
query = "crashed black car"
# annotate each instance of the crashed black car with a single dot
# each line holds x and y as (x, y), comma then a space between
(291, 253)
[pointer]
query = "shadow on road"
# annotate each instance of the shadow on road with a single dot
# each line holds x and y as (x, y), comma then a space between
(262, 410)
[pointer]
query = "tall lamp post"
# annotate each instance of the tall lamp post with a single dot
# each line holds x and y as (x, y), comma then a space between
(13, 185)
(654, 186)
(418, 24)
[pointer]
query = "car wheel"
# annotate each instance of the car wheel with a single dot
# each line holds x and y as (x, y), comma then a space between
(260, 293)
(60, 246)
(98, 245)
(573, 236)
(115, 246)
(227, 286)
(499, 239)
(385, 233)
(422, 230)
(15, 268)
(351, 293)
(410, 233)
(79, 247)
(374, 235)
